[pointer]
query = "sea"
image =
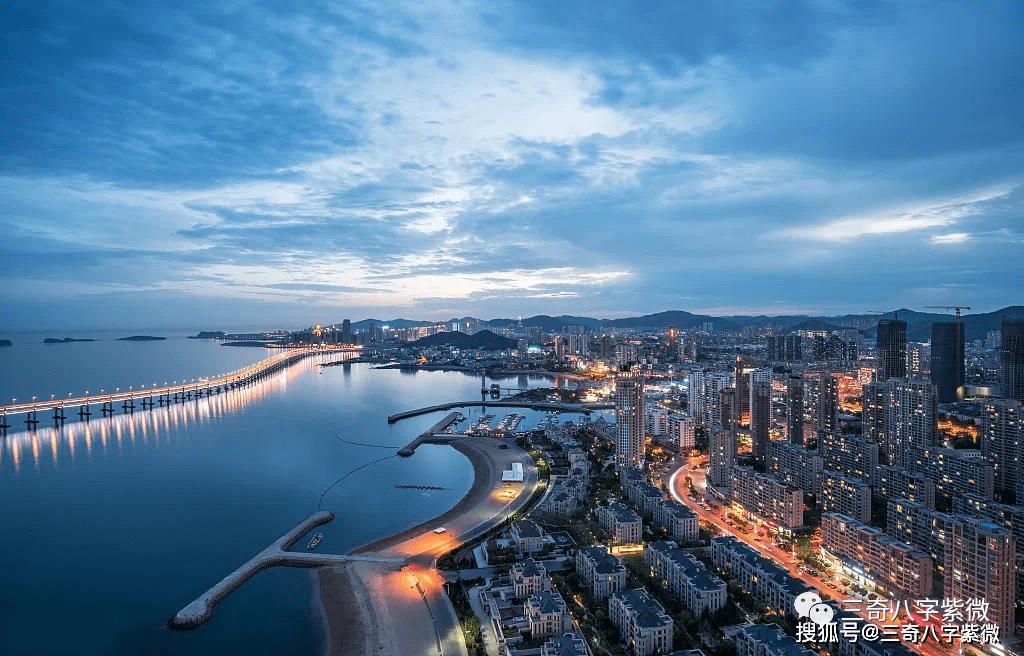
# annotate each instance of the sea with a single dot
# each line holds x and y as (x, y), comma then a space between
(109, 526)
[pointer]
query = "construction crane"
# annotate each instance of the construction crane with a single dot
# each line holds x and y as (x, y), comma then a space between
(895, 314)
(950, 307)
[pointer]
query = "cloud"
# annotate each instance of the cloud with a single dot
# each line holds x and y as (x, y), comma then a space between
(951, 238)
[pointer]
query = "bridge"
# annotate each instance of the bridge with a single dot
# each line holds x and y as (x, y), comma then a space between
(200, 611)
(163, 395)
(585, 408)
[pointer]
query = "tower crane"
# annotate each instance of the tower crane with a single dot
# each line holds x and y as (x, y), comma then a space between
(950, 307)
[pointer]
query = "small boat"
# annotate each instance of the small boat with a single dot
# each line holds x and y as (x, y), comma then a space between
(317, 539)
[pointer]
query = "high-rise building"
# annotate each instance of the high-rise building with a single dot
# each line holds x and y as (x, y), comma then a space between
(630, 420)
(911, 419)
(607, 347)
(760, 417)
(1011, 359)
(873, 410)
(892, 349)
(1001, 442)
(821, 405)
(705, 396)
(849, 454)
(981, 564)
(948, 361)
(346, 332)
(722, 445)
(794, 465)
(795, 408)
(730, 408)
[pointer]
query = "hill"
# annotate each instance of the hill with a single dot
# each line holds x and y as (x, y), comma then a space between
(484, 339)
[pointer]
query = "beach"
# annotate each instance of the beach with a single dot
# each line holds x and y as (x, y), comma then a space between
(365, 602)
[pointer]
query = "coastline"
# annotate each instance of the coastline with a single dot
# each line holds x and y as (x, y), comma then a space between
(358, 598)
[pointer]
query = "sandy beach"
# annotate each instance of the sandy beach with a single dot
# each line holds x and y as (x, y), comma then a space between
(365, 602)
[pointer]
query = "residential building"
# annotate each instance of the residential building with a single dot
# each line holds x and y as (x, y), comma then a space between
(568, 644)
(546, 614)
(794, 465)
(795, 409)
(646, 495)
(630, 476)
(892, 349)
(528, 577)
(947, 364)
(722, 456)
(630, 418)
(874, 560)
(769, 499)
(821, 405)
(681, 522)
(600, 571)
(850, 455)
(705, 396)
(955, 471)
(760, 417)
(527, 536)
(620, 523)
(657, 422)
(1001, 440)
(911, 419)
(768, 640)
(1000, 514)
(874, 397)
(981, 564)
(895, 483)
(644, 625)
(848, 495)
(686, 577)
(682, 431)
(768, 581)
(1011, 359)
(913, 523)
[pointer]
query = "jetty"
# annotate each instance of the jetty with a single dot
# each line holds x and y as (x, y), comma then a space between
(200, 611)
(432, 435)
(585, 408)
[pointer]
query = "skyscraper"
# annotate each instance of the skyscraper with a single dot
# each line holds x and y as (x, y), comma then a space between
(346, 331)
(981, 564)
(892, 349)
(1001, 442)
(795, 409)
(873, 404)
(948, 361)
(821, 399)
(722, 445)
(730, 409)
(1011, 359)
(630, 420)
(911, 419)
(760, 417)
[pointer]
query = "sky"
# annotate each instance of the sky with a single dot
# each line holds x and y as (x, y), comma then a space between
(279, 164)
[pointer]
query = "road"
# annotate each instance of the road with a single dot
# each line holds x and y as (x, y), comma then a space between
(759, 539)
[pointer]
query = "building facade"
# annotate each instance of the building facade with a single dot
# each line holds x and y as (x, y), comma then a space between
(630, 422)
(770, 499)
(644, 625)
(848, 495)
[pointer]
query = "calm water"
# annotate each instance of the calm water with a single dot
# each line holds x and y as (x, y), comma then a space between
(110, 527)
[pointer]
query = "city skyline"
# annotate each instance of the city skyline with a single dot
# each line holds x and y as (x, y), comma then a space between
(276, 167)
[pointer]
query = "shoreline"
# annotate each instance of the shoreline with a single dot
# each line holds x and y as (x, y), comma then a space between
(353, 595)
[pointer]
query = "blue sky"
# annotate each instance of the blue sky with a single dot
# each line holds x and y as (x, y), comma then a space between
(228, 164)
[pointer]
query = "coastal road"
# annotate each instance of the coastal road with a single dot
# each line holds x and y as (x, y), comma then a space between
(760, 541)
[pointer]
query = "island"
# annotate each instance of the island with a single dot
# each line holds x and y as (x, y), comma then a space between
(210, 334)
(140, 338)
(6, 342)
(66, 340)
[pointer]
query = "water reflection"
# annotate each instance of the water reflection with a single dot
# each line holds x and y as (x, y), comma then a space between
(157, 422)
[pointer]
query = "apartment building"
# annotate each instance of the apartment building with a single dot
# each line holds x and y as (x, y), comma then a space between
(527, 536)
(682, 523)
(1000, 514)
(850, 455)
(845, 494)
(546, 614)
(621, 523)
(644, 625)
(600, 571)
(794, 465)
(955, 471)
(981, 564)
(875, 560)
(697, 588)
(768, 640)
(528, 577)
(768, 581)
(768, 498)
(896, 483)
(646, 495)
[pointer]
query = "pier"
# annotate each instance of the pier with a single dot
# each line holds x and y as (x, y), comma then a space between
(150, 398)
(432, 435)
(585, 408)
(200, 611)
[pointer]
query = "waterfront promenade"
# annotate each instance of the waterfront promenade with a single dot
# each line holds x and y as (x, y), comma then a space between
(405, 610)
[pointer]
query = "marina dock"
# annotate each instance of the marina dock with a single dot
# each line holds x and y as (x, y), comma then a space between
(433, 435)
(585, 408)
(200, 611)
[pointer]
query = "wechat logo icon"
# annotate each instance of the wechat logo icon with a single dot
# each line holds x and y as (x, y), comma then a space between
(808, 604)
